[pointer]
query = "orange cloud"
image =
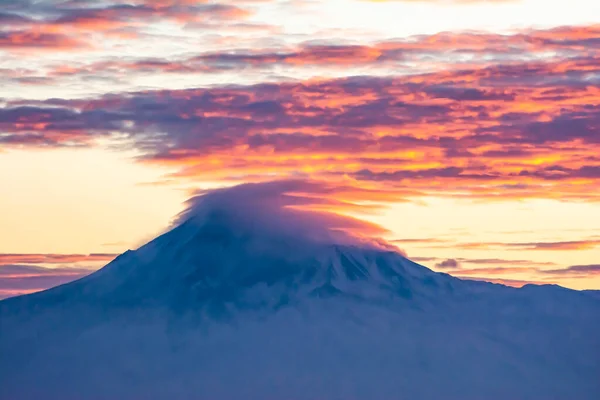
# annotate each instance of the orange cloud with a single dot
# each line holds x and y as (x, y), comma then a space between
(65, 25)
(38, 40)
(501, 130)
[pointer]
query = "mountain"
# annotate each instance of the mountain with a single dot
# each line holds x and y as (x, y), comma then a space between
(248, 298)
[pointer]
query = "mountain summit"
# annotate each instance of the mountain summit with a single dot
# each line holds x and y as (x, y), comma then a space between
(251, 296)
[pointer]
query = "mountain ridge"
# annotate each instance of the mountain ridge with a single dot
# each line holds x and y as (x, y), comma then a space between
(280, 303)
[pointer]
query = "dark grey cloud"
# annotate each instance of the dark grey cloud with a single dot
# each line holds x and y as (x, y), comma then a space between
(18, 279)
(448, 264)
(589, 269)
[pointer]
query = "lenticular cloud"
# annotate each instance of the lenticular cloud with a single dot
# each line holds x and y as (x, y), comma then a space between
(286, 207)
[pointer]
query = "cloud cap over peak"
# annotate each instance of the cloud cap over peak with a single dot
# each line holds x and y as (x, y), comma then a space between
(285, 208)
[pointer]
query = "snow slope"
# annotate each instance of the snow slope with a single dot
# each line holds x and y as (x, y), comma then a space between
(267, 302)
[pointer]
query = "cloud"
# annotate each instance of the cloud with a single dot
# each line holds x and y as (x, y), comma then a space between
(19, 258)
(63, 25)
(564, 245)
(359, 128)
(505, 129)
(568, 46)
(509, 282)
(22, 279)
(575, 270)
(424, 241)
(423, 259)
(37, 40)
(284, 208)
(493, 266)
(504, 270)
(395, 176)
(498, 261)
(6, 293)
(558, 246)
(491, 271)
(449, 263)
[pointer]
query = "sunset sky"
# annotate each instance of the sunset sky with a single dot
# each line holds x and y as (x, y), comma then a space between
(469, 129)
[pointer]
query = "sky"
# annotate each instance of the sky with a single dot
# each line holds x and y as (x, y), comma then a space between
(468, 129)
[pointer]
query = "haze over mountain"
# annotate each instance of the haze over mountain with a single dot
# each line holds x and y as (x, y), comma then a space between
(252, 296)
